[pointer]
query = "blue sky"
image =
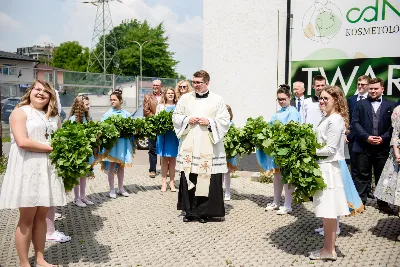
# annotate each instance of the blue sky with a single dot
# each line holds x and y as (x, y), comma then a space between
(27, 22)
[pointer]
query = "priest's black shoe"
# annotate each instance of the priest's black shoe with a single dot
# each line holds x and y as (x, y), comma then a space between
(384, 207)
(370, 195)
(203, 220)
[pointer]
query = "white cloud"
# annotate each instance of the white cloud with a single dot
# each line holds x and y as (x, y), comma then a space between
(44, 39)
(185, 37)
(7, 23)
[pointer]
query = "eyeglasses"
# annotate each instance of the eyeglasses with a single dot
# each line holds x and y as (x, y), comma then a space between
(281, 99)
(362, 84)
(323, 99)
(156, 84)
(43, 91)
(197, 83)
(182, 87)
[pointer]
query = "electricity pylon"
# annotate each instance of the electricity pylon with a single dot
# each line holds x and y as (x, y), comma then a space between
(102, 26)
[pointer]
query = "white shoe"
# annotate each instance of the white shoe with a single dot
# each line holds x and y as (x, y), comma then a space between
(79, 203)
(58, 216)
(319, 230)
(58, 237)
(283, 211)
(87, 201)
(271, 206)
(227, 198)
(112, 194)
(322, 232)
(123, 193)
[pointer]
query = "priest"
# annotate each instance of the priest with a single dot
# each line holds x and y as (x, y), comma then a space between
(201, 120)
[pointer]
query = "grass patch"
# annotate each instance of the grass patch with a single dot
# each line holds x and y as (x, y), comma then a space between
(3, 163)
(6, 139)
(234, 175)
(266, 179)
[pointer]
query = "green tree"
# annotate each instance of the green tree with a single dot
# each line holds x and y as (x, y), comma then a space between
(157, 60)
(71, 56)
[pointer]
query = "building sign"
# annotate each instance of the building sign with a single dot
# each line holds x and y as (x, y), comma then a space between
(344, 39)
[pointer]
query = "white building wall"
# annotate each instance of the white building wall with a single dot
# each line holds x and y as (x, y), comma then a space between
(26, 68)
(243, 54)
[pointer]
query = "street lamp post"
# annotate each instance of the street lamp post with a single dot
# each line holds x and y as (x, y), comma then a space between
(140, 50)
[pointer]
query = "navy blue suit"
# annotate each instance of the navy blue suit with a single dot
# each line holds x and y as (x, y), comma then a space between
(369, 155)
(351, 103)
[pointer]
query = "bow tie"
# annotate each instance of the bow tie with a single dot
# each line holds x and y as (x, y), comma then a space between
(205, 95)
(375, 100)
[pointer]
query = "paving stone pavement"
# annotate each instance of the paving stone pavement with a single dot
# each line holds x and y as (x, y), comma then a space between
(145, 229)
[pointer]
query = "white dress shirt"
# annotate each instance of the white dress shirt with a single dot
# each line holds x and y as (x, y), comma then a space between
(301, 111)
(312, 112)
(364, 96)
(376, 104)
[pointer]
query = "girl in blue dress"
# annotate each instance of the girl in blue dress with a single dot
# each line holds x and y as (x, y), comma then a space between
(120, 155)
(167, 143)
(286, 114)
(231, 164)
(80, 114)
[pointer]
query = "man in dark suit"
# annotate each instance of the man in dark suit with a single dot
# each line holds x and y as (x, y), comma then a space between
(362, 89)
(371, 123)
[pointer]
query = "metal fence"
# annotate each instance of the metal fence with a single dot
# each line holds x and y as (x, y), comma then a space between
(70, 84)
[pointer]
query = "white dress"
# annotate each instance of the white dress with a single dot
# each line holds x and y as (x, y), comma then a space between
(30, 179)
(331, 202)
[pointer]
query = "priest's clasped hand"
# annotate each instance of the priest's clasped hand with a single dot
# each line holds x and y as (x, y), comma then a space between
(204, 121)
(201, 121)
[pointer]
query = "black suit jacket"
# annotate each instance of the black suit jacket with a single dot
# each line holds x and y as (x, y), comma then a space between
(362, 125)
(351, 103)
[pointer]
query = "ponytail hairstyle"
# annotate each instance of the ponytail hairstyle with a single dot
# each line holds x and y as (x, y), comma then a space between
(118, 94)
(284, 89)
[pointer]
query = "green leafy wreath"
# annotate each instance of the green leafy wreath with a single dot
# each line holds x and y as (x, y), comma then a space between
(293, 147)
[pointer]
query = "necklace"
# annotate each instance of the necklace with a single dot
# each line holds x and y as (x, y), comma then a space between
(46, 135)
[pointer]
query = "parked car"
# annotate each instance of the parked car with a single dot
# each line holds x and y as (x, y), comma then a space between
(142, 143)
(62, 115)
(8, 106)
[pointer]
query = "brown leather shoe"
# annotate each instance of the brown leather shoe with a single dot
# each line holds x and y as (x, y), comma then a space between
(152, 174)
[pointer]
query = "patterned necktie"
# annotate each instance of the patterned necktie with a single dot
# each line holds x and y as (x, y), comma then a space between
(361, 97)
(298, 104)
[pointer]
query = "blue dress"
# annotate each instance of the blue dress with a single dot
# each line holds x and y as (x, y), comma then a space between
(122, 151)
(353, 199)
(284, 115)
(167, 143)
(91, 158)
(231, 162)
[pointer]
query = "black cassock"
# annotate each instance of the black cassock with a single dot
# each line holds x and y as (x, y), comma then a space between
(211, 206)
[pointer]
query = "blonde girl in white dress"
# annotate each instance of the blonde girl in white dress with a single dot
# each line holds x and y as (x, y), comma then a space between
(31, 183)
(331, 202)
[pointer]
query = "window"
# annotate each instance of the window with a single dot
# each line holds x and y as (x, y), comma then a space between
(48, 76)
(8, 69)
